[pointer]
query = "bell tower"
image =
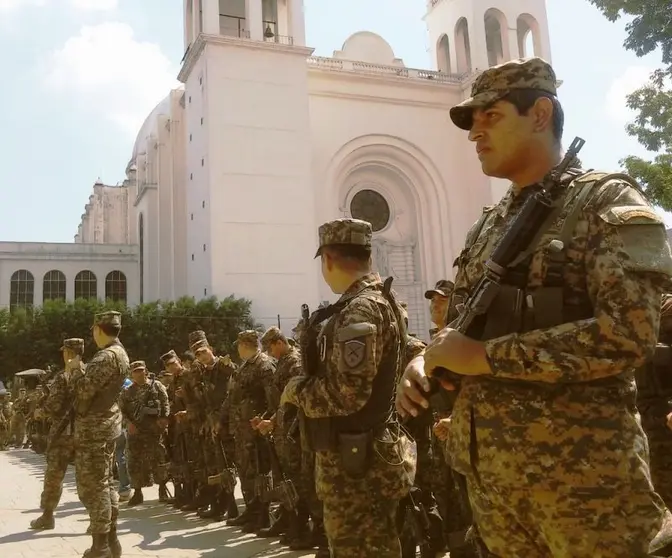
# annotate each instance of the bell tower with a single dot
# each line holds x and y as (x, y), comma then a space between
(249, 163)
(470, 35)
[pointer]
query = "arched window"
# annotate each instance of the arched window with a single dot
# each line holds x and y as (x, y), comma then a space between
(496, 41)
(21, 289)
(141, 240)
(443, 55)
(529, 36)
(86, 285)
(53, 285)
(463, 46)
(115, 286)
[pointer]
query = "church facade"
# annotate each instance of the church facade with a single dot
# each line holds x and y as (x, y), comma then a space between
(232, 173)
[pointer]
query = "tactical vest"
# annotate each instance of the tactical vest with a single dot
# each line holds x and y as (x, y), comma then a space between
(323, 432)
(106, 398)
(517, 308)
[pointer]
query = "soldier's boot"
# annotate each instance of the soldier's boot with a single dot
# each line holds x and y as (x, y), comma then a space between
(163, 492)
(294, 528)
(231, 506)
(264, 519)
(198, 501)
(323, 552)
(249, 514)
(253, 525)
(137, 498)
(300, 537)
(44, 522)
(100, 547)
(320, 539)
(214, 510)
(113, 541)
(279, 526)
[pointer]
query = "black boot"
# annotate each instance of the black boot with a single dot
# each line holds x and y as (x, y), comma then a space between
(100, 547)
(163, 492)
(214, 510)
(262, 521)
(249, 515)
(197, 501)
(137, 498)
(44, 522)
(278, 527)
(231, 507)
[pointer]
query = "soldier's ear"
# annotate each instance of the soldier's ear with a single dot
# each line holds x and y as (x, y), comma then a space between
(542, 113)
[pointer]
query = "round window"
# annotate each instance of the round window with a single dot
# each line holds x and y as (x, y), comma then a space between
(369, 205)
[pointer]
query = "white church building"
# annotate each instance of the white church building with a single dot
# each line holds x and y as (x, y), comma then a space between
(231, 174)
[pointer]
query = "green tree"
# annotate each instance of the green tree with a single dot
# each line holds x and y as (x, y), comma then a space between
(649, 28)
(31, 338)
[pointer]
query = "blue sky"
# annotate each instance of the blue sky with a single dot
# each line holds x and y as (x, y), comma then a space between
(81, 75)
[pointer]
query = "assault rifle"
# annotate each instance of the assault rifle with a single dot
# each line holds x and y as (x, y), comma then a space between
(284, 489)
(522, 231)
(226, 478)
(421, 527)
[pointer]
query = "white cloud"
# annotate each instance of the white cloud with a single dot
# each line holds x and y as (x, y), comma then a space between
(107, 70)
(12, 5)
(630, 80)
(94, 5)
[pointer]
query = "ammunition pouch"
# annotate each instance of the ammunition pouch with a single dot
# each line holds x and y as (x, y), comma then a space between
(355, 451)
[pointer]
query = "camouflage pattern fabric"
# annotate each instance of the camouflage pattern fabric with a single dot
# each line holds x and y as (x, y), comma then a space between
(146, 453)
(359, 513)
(497, 82)
(5, 421)
(97, 426)
(353, 232)
(558, 409)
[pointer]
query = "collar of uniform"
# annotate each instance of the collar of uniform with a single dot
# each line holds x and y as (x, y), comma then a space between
(368, 280)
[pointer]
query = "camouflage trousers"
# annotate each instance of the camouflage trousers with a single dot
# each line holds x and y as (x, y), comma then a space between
(18, 429)
(145, 459)
(5, 434)
(95, 482)
(660, 455)
(59, 456)
(566, 523)
(251, 460)
(218, 453)
(298, 466)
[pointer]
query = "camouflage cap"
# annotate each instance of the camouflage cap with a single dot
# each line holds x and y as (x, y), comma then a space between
(197, 340)
(108, 318)
(271, 335)
(497, 82)
(354, 232)
(443, 287)
(248, 337)
(138, 365)
(74, 343)
(169, 357)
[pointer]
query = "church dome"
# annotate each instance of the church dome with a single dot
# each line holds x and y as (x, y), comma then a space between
(148, 128)
(365, 46)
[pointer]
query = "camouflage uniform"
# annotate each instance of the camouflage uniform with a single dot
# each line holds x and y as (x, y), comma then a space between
(550, 440)
(654, 400)
(364, 465)
(252, 393)
(97, 426)
(61, 450)
(18, 422)
(143, 406)
(218, 446)
(5, 417)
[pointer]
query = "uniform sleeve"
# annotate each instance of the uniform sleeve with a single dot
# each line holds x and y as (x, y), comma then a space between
(266, 377)
(125, 404)
(628, 265)
(353, 364)
(57, 398)
(164, 403)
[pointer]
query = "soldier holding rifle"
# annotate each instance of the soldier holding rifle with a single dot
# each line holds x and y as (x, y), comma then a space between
(544, 347)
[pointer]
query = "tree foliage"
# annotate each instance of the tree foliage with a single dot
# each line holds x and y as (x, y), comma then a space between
(649, 28)
(32, 338)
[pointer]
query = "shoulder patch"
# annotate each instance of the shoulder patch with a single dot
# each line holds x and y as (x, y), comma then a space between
(354, 352)
(353, 331)
(631, 215)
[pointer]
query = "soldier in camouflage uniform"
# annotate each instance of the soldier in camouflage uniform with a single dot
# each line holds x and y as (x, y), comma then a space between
(5, 417)
(61, 451)
(284, 426)
(544, 426)
(97, 426)
(145, 407)
(177, 430)
(654, 400)
(18, 422)
(252, 393)
(364, 463)
(218, 453)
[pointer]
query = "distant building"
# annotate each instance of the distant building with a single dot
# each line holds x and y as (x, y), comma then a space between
(231, 175)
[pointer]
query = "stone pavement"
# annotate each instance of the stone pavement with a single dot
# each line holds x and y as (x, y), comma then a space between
(151, 530)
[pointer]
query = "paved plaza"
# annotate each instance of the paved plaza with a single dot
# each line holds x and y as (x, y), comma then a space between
(151, 530)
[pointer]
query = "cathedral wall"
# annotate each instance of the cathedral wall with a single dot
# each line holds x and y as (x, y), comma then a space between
(394, 136)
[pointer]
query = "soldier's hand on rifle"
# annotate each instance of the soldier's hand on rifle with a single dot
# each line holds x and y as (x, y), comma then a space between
(669, 421)
(265, 427)
(180, 415)
(458, 353)
(132, 429)
(413, 389)
(254, 422)
(442, 428)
